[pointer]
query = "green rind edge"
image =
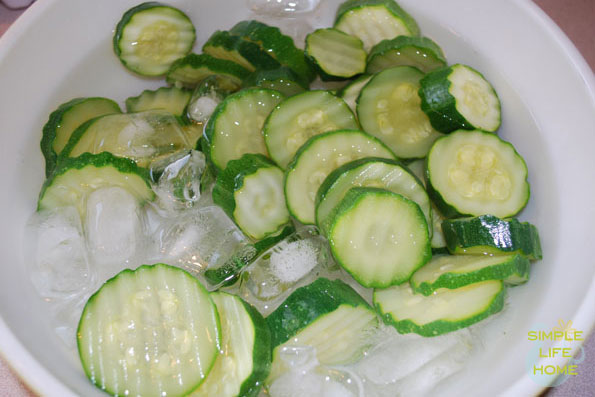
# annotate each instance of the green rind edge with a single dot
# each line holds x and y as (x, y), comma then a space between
(132, 102)
(423, 43)
(324, 74)
(390, 5)
(220, 67)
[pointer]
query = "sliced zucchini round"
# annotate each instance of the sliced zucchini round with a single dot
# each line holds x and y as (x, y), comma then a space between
(459, 97)
(250, 191)
(374, 20)
(245, 359)
(476, 173)
(379, 237)
(172, 99)
(351, 91)
(328, 315)
(368, 172)
(64, 120)
(153, 331)
(489, 235)
(455, 271)
(75, 178)
(446, 310)
(151, 36)
(388, 107)
(300, 117)
(335, 54)
(235, 126)
(317, 158)
(282, 79)
(192, 69)
(419, 52)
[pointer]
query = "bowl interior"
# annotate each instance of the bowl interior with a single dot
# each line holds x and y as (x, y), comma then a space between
(62, 49)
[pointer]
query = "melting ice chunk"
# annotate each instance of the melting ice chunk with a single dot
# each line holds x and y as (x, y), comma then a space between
(114, 230)
(57, 257)
(280, 8)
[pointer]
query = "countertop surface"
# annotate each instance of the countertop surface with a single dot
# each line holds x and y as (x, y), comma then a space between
(577, 19)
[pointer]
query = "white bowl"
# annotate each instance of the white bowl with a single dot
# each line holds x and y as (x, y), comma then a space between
(60, 49)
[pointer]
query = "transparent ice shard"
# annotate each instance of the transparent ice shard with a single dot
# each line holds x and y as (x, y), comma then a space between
(281, 8)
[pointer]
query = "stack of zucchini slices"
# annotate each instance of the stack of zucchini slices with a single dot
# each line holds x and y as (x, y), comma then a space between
(401, 170)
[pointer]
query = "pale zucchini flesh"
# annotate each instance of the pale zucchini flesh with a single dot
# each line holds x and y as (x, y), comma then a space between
(335, 54)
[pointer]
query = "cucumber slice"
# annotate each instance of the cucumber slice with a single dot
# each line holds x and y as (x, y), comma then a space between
(367, 172)
(489, 235)
(192, 69)
(300, 117)
(75, 178)
(351, 91)
(153, 331)
(335, 54)
(278, 45)
(235, 127)
(317, 158)
(143, 137)
(374, 20)
(459, 97)
(419, 52)
(446, 310)
(64, 120)
(455, 271)
(379, 237)
(476, 173)
(247, 54)
(282, 79)
(245, 359)
(151, 36)
(171, 99)
(328, 315)
(389, 108)
(250, 191)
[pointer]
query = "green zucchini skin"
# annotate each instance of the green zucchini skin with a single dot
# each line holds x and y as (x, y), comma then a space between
(440, 106)
(280, 46)
(490, 235)
(228, 73)
(514, 266)
(427, 48)
(439, 327)
(54, 122)
(126, 19)
(308, 303)
(104, 159)
(282, 79)
(255, 56)
(172, 99)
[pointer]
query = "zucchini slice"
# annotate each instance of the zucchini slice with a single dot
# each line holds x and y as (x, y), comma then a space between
(171, 99)
(446, 310)
(328, 315)
(151, 36)
(475, 173)
(142, 137)
(245, 358)
(335, 54)
(351, 91)
(75, 178)
(278, 45)
(282, 79)
(388, 107)
(250, 191)
(251, 56)
(300, 117)
(455, 271)
(235, 126)
(368, 172)
(64, 120)
(379, 237)
(153, 331)
(374, 20)
(192, 69)
(489, 235)
(459, 97)
(419, 52)
(317, 158)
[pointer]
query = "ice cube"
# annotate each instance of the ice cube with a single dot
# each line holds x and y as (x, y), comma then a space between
(114, 230)
(198, 238)
(280, 8)
(65, 317)
(179, 182)
(56, 254)
(295, 261)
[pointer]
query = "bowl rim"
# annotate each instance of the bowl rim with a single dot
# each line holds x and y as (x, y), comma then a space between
(22, 362)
